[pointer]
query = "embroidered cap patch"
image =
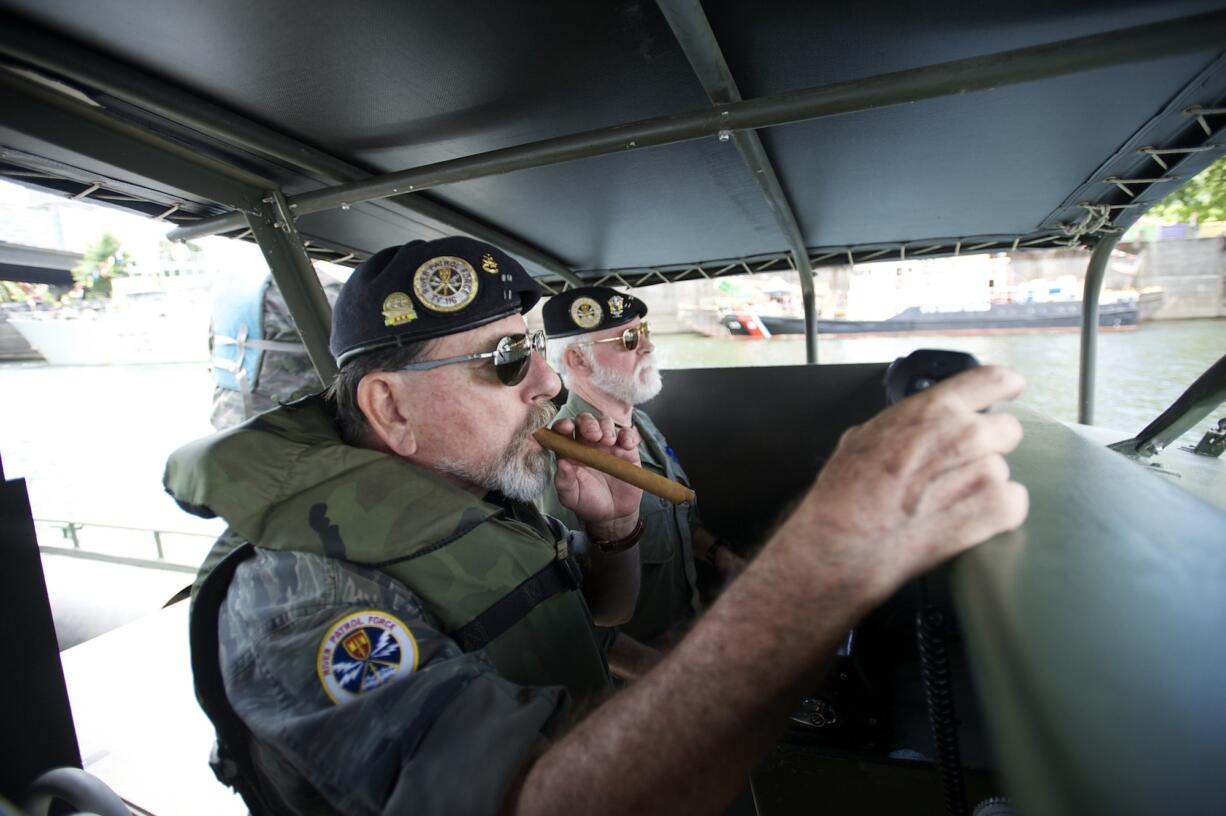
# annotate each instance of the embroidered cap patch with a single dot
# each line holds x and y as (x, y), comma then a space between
(364, 651)
(445, 283)
(586, 313)
(397, 309)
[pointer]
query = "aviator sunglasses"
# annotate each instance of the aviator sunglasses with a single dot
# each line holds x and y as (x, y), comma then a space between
(512, 357)
(629, 338)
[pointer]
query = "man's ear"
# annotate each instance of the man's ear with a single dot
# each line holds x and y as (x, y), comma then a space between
(380, 400)
(576, 360)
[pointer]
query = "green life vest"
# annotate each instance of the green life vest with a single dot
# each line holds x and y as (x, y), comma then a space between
(286, 481)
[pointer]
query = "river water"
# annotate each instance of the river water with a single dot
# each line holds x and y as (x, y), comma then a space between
(92, 441)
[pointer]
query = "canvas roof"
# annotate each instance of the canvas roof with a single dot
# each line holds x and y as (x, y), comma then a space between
(382, 87)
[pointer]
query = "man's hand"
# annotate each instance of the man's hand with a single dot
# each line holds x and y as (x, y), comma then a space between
(630, 659)
(917, 484)
(726, 562)
(607, 506)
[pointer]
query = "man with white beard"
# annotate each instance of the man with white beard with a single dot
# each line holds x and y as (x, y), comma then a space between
(600, 344)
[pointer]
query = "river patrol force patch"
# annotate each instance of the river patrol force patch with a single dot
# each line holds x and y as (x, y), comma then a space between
(445, 283)
(364, 651)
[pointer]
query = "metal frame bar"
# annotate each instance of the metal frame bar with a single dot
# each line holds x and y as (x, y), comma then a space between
(281, 244)
(697, 40)
(1199, 400)
(1088, 372)
(35, 111)
(70, 125)
(635, 277)
(53, 54)
(1156, 153)
(1200, 113)
(1125, 46)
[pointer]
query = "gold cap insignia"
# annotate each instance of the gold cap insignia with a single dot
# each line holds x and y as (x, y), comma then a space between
(586, 313)
(397, 309)
(445, 283)
(489, 264)
(617, 305)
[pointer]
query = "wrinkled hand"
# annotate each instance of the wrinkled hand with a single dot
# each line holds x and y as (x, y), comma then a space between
(729, 564)
(917, 484)
(608, 506)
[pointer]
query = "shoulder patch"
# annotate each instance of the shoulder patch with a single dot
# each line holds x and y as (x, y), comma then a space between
(364, 651)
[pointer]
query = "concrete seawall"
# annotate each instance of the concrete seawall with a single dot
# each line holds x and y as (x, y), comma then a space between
(1192, 274)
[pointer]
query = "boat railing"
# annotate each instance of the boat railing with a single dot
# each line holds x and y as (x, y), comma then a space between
(169, 551)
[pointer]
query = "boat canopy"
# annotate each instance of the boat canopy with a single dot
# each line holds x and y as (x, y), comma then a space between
(646, 141)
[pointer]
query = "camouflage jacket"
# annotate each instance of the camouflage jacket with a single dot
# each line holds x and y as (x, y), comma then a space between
(668, 594)
(336, 639)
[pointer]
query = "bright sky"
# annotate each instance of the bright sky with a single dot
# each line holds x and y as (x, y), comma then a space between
(40, 219)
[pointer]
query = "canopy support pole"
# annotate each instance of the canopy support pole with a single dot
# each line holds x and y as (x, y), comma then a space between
(281, 244)
(693, 31)
(1095, 273)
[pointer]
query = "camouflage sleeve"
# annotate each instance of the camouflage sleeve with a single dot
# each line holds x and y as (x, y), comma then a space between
(343, 675)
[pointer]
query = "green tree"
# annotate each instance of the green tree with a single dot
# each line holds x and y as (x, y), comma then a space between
(1201, 199)
(104, 260)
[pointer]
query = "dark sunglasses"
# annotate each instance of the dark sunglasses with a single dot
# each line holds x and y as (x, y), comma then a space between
(512, 357)
(629, 338)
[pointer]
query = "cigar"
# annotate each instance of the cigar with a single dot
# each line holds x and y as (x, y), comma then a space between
(653, 483)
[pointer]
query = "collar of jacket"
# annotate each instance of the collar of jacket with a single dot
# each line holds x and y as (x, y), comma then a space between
(285, 480)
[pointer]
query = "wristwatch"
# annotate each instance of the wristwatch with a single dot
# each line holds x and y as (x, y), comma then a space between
(622, 544)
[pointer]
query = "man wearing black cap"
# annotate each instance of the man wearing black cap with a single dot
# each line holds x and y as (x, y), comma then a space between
(407, 630)
(600, 344)
(396, 546)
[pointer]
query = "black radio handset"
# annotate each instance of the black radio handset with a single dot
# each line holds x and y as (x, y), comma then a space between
(909, 375)
(922, 369)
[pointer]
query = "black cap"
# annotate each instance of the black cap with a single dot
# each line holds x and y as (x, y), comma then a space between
(427, 289)
(589, 309)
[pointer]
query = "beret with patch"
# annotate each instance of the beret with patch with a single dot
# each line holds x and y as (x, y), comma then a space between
(427, 289)
(589, 309)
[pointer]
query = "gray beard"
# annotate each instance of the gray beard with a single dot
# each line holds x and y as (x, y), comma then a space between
(631, 388)
(517, 474)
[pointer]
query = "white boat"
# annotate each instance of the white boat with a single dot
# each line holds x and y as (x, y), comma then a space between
(140, 325)
(107, 339)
